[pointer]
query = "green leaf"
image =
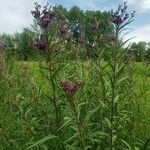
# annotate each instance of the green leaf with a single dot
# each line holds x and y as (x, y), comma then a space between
(42, 141)
(128, 146)
(90, 114)
(126, 24)
(121, 80)
(108, 122)
(44, 147)
(116, 99)
(66, 123)
(136, 148)
(70, 138)
(114, 139)
(27, 112)
(79, 108)
(99, 133)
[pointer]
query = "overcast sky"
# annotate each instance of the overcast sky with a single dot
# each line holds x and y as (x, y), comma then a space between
(16, 14)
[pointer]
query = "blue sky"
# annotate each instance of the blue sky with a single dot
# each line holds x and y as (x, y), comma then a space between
(141, 24)
(15, 14)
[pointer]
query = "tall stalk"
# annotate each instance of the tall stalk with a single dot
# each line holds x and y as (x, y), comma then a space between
(120, 20)
(71, 88)
(113, 86)
(50, 41)
(55, 103)
(77, 121)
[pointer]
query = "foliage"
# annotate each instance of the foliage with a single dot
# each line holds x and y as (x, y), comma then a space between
(24, 47)
(139, 51)
(64, 104)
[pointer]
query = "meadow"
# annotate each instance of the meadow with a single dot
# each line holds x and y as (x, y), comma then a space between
(28, 116)
(76, 95)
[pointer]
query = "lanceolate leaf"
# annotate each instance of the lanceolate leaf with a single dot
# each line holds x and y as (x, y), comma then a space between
(47, 138)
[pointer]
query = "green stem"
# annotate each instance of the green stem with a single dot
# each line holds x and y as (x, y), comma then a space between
(77, 121)
(55, 104)
(113, 85)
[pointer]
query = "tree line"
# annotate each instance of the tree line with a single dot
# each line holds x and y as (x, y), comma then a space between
(84, 28)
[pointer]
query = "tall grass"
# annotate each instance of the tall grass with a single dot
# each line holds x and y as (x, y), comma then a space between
(71, 105)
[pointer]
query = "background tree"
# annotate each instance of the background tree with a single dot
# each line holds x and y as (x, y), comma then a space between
(8, 41)
(23, 44)
(139, 50)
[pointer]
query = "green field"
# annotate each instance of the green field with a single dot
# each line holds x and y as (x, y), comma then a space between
(72, 81)
(28, 115)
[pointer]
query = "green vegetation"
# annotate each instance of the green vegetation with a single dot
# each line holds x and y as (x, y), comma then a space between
(69, 83)
(26, 111)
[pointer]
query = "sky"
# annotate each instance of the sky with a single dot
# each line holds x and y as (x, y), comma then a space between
(16, 14)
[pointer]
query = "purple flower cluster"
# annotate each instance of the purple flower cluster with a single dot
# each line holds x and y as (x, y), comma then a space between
(71, 87)
(64, 29)
(39, 44)
(121, 15)
(43, 17)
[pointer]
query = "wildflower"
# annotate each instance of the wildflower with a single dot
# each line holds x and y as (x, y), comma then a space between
(44, 18)
(39, 44)
(45, 21)
(133, 14)
(63, 29)
(71, 87)
(36, 14)
(121, 15)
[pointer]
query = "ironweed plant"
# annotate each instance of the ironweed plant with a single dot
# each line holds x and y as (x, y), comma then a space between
(50, 42)
(61, 104)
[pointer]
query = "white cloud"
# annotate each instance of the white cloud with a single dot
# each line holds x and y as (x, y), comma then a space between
(83, 4)
(16, 14)
(132, 1)
(140, 34)
(141, 5)
(144, 5)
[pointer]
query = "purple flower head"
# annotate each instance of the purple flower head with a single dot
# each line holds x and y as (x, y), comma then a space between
(132, 14)
(126, 17)
(117, 20)
(43, 17)
(69, 87)
(45, 21)
(36, 13)
(39, 44)
(120, 15)
(64, 29)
